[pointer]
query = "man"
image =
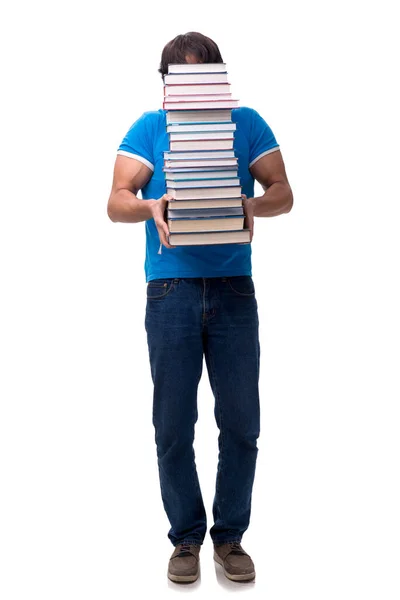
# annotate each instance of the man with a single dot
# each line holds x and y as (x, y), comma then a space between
(201, 301)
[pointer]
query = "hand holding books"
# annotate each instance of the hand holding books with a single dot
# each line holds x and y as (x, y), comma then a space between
(249, 215)
(158, 211)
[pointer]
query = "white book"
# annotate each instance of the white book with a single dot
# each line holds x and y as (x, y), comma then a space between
(202, 145)
(205, 203)
(197, 88)
(198, 155)
(197, 68)
(197, 164)
(199, 116)
(204, 135)
(241, 236)
(201, 105)
(181, 78)
(201, 127)
(197, 98)
(201, 170)
(214, 192)
(203, 183)
(206, 224)
(205, 174)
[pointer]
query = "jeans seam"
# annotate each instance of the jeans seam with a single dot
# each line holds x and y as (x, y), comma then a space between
(169, 288)
(220, 420)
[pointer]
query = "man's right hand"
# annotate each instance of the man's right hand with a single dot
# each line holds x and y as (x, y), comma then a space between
(158, 212)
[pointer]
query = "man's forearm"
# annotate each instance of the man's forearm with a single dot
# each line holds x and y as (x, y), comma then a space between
(277, 199)
(125, 207)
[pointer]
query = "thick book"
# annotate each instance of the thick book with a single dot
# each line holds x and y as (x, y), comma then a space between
(202, 183)
(179, 128)
(199, 116)
(201, 135)
(205, 223)
(197, 68)
(185, 105)
(200, 170)
(205, 212)
(241, 236)
(197, 88)
(188, 175)
(208, 192)
(202, 145)
(198, 98)
(181, 78)
(198, 155)
(198, 164)
(205, 203)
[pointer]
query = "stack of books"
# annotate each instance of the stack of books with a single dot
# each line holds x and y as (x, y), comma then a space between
(200, 168)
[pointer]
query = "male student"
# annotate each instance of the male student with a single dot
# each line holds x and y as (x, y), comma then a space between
(201, 301)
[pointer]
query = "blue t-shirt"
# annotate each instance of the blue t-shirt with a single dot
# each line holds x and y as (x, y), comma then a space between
(146, 141)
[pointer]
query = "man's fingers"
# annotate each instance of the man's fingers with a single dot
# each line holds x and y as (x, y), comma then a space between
(166, 234)
(163, 233)
(166, 197)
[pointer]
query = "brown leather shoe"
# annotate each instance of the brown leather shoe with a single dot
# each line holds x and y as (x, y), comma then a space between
(237, 564)
(184, 564)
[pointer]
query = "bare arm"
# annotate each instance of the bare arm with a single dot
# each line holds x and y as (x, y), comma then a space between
(277, 198)
(131, 175)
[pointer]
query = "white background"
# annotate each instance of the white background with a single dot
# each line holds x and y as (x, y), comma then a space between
(81, 512)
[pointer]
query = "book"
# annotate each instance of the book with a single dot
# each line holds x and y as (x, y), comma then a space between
(198, 155)
(195, 193)
(204, 203)
(241, 236)
(199, 170)
(198, 164)
(197, 88)
(229, 222)
(181, 78)
(199, 116)
(190, 175)
(197, 68)
(179, 128)
(201, 135)
(202, 183)
(184, 104)
(202, 144)
(205, 212)
(198, 98)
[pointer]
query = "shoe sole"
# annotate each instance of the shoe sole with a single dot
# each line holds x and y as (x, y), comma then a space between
(183, 578)
(239, 577)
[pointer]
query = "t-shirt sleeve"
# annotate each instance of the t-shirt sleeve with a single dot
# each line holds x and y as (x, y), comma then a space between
(262, 140)
(137, 143)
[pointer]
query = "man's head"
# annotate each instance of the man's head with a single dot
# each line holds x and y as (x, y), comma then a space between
(190, 47)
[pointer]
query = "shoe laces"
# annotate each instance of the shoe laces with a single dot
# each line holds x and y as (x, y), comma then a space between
(236, 549)
(184, 550)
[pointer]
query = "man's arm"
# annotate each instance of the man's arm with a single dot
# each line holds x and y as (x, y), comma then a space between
(130, 176)
(270, 172)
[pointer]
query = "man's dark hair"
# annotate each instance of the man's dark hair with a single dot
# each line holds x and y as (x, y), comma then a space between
(197, 44)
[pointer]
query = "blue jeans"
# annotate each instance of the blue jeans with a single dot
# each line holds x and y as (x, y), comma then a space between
(217, 317)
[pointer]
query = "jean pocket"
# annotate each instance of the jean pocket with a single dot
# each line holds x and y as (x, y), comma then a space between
(159, 288)
(242, 285)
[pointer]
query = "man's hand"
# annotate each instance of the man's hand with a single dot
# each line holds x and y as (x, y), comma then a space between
(249, 214)
(158, 212)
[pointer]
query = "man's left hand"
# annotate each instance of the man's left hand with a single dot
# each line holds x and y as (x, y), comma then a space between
(249, 214)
